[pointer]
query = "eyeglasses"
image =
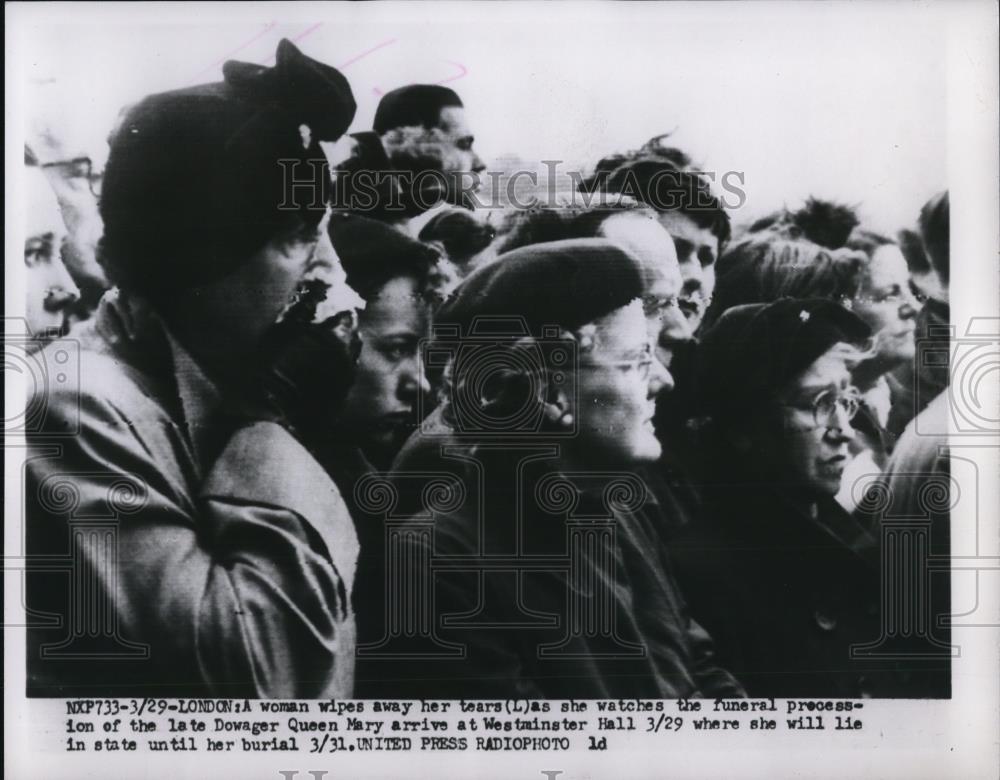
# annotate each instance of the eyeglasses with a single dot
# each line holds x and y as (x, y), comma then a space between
(920, 296)
(655, 306)
(642, 365)
(824, 406)
(78, 168)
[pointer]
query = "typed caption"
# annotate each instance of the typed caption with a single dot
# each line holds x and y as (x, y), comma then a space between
(333, 726)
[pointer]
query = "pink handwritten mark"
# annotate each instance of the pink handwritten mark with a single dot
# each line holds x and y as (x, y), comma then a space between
(267, 28)
(364, 54)
(462, 72)
(296, 39)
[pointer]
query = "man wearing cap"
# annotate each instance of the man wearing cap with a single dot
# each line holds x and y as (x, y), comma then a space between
(784, 580)
(203, 551)
(528, 473)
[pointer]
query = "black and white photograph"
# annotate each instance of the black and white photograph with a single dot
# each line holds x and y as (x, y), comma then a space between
(502, 389)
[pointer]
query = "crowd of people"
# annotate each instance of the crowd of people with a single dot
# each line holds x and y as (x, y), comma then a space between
(335, 433)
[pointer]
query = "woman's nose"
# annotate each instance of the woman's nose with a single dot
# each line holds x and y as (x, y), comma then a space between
(660, 378)
(907, 311)
(413, 379)
(840, 428)
(61, 291)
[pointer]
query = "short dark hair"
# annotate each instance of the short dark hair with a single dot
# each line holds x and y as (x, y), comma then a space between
(823, 222)
(655, 147)
(774, 220)
(413, 105)
(373, 253)
(660, 184)
(935, 230)
(826, 223)
(913, 251)
(460, 233)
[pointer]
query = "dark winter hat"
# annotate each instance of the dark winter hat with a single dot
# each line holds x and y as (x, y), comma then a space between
(562, 283)
(372, 253)
(753, 351)
(198, 179)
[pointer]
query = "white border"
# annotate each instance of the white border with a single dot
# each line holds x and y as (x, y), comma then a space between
(904, 739)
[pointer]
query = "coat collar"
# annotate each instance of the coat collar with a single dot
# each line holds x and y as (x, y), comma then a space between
(131, 327)
(761, 516)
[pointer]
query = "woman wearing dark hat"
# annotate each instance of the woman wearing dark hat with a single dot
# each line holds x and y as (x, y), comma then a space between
(528, 474)
(820, 252)
(783, 579)
(232, 552)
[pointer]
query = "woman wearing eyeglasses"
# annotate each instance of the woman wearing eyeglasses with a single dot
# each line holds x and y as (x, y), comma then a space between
(563, 588)
(783, 578)
(77, 190)
(819, 251)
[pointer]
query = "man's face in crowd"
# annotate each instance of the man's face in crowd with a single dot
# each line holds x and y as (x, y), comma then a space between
(73, 182)
(455, 129)
(652, 245)
(447, 147)
(50, 288)
(697, 250)
(887, 305)
(616, 386)
(814, 446)
(381, 406)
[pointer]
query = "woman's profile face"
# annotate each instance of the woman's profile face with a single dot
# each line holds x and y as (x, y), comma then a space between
(808, 437)
(617, 381)
(887, 305)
